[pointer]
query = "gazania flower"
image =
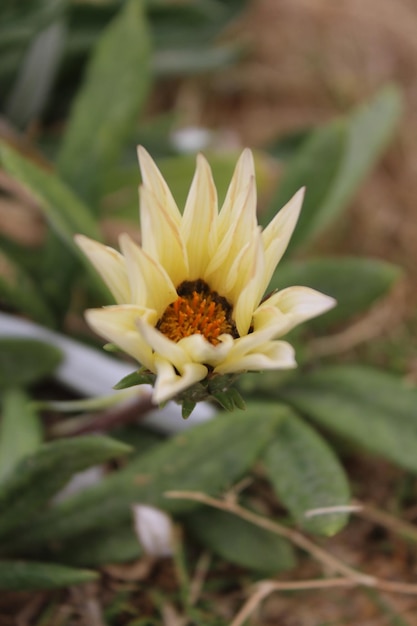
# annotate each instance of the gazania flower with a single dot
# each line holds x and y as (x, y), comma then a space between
(189, 298)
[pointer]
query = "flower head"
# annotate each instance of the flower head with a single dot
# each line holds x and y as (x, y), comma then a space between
(189, 298)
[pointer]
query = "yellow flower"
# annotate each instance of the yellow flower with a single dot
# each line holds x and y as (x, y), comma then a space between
(189, 299)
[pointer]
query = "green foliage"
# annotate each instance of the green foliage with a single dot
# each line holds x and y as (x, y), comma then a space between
(306, 475)
(107, 106)
(26, 361)
(40, 475)
(333, 162)
(29, 575)
(371, 408)
(207, 458)
(240, 542)
(20, 430)
(21, 291)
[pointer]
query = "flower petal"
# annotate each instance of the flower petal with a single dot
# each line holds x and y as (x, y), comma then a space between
(168, 383)
(164, 347)
(247, 289)
(199, 219)
(155, 182)
(118, 324)
(202, 351)
(109, 264)
(277, 234)
(149, 283)
(291, 306)
(161, 237)
(244, 172)
(270, 355)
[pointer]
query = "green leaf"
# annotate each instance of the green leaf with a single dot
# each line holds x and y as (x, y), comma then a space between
(107, 107)
(371, 408)
(315, 166)
(39, 476)
(64, 211)
(20, 430)
(100, 547)
(20, 291)
(186, 61)
(335, 160)
(208, 457)
(370, 128)
(26, 361)
(306, 475)
(241, 542)
(139, 377)
(355, 283)
(28, 576)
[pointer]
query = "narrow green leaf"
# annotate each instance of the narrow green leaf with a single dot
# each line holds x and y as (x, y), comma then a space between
(20, 291)
(139, 377)
(371, 408)
(241, 542)
(315, 166)
(64, 211)
(28, 576)
(370, 128)
(41, 475)
(335, 160)
(208, 457)
(20, 430)
(107, 107)
(306, 475)
(100, 547)
(26, 361)
(355, 283)
(186, 61)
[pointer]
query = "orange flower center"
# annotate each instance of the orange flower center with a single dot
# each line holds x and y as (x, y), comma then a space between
(197, 311)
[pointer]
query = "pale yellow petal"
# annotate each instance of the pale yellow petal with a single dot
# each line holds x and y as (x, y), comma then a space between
(271, 355)
(118, 324)
(109, 264)
(161, 237)
(277, 234)
(248, 292)
(202, 351)
(155, 182)
(240, 232)
(162, 346)
(291, 306)
(244, 172)
(169, 383)
(149, 283)
(199, 219)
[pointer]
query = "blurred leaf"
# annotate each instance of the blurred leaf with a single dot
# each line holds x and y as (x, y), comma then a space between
(335, 160)
(62, 208)
(28, 576)
(20, 291)
(20, 430)
(208, 457)
(36, 75)
(371, 408)
(241, 542)
(355, 283)
(100, 547)
(26, 361)
(306, 475)
(370, 129)
(41, 475)
(188, 61)
(315, 166)
(108, 105)
(177, 23)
